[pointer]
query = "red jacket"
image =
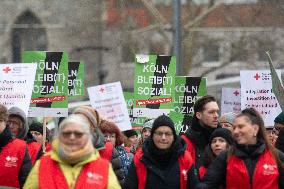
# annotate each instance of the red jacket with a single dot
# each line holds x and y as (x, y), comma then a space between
(185, 162)
(33, 148)
(265, 175)
(107, 152)
(92, 175)
(11, 159)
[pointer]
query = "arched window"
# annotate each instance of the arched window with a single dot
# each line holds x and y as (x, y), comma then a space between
(27, 34)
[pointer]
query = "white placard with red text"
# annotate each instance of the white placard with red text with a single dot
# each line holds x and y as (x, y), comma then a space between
(16, 85)
(256, 90)
(109, 101)
(231, 100)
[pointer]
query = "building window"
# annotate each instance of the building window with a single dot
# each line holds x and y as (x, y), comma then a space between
(28, 34)
(239, 52)
(211, 52)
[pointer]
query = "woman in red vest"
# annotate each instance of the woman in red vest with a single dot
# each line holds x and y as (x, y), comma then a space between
(163, 161)
(15, 162)
(73, 162)
(252, 163)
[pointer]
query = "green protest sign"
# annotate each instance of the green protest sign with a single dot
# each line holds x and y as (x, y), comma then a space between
(154, 85)
(76, 75)
(50, 91)
(136, 122)
(187, 91)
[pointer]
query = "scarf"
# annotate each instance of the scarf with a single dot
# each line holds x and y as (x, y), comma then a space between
(72, 157)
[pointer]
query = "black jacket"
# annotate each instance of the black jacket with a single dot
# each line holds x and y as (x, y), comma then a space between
(199, 136)
(162, 171)
(216, 174)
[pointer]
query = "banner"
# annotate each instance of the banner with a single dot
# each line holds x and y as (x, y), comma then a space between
(109, 101)
(231, 100)
(16, 85)
(76, 74)
(154, 85)
(50, 91)
(256, 90)
(136, 122)
(187, 91)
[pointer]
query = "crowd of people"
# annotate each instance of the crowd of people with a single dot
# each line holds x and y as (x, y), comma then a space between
(85, 151)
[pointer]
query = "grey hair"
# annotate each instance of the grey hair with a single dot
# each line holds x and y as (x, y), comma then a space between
(77, 119)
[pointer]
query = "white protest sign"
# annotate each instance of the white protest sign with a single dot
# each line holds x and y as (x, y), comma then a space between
(16, 85)
(256, 90)
(109, 101)
(231, 100)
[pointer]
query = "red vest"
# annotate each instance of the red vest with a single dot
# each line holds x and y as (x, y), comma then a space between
(33, 148)
(93, 175)
(107, 152)
(265, 175)
(11, 159)
(189, 147)
(185, 162)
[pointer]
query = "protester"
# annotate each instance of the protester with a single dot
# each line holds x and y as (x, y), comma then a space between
(73, 162)
(272, 134)
(106, 149)
(145, 132)
(18, 124)
(163, 161)
(14, 157)
(226, 120)
(131, 140)
(113, 134)
(279, 121)
(220, 140)
(279, 144)
(204, 122)
(251, 163)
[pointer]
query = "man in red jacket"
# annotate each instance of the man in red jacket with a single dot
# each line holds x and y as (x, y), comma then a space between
(15, 162)
(204, 122)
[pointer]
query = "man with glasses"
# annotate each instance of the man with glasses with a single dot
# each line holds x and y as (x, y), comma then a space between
(15, 160)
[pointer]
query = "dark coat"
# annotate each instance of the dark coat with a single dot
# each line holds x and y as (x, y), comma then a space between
(162, 172)
(216, 174)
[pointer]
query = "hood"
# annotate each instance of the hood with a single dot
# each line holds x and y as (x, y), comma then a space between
(15, 111)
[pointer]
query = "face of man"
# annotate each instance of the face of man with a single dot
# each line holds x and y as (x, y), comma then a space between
(209, 116)
(15, 125)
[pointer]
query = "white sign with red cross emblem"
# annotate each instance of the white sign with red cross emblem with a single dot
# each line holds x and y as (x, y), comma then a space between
(16, 85)
(109, 101)
(256, 90)
(231, 100)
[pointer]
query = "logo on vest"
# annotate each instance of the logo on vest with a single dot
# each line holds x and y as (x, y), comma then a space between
(11, 161)
(184, 173)
(94, 178)
(269, 169)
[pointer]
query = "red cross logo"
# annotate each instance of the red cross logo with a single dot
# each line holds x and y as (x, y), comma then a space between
(256, 76)
(7, 69)
(236, 93)
(101, 90)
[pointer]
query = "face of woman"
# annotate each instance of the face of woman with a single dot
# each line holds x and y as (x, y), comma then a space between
(163, 137)
(133, 140)
(227, 125)
(244, 132)
(73, 137)
(37, 136)
(110, 137)
(218, 145)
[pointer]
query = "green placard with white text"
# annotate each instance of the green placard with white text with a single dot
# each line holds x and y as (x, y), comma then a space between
(76, 87)
(50, 91)
(154, 84)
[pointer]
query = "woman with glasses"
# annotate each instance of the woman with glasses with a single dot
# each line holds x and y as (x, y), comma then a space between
(251, 163)
(163, 161)
(73, 162)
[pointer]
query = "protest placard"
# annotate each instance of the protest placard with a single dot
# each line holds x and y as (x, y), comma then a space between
(154, 85)
(76, 75)
(187, 91)
(256, 92)
(50, 91)
(231, 100)
(16, 85)
(109, 101)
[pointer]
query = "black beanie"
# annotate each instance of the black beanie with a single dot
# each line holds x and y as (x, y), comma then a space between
(163, 120)
(224, 133)
(130, 133)
(36, 126)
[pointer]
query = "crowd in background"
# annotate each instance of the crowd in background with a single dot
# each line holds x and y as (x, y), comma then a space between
(86, 151)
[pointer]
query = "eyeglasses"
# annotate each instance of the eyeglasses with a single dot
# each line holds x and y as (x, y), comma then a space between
(15, 123)
(110, 136)
(167, 134)
(67, 134)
